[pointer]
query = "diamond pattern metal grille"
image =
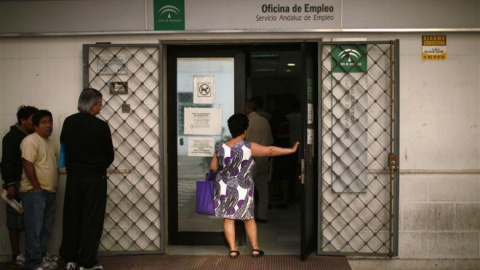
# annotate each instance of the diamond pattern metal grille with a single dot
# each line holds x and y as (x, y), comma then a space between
(358, 133)
(128, 77)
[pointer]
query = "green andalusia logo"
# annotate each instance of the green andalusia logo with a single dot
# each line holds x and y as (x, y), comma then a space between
(349, 59)
(169, 14)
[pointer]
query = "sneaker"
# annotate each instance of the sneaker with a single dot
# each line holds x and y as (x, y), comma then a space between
(21, 258)
(49, 265)
(71, 266)
(51, 258)
(18, 261)
(96, 267)
(17, 264)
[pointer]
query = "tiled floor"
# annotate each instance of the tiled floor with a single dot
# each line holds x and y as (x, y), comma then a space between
(280, 235)
(201, 262)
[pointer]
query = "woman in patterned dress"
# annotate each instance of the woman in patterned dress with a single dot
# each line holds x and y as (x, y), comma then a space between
(233, 196)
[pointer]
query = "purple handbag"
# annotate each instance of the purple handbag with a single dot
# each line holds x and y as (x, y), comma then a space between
(204, 199)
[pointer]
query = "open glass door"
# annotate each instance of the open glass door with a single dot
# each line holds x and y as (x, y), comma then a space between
(203, 91)
(308, 158)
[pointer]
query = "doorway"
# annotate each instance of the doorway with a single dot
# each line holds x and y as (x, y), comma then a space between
(275, 76)
(349, 130)
(273, 82)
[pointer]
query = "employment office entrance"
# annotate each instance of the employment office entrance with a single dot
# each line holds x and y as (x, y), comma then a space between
(343, 195)
(276, 76)
(338, 100)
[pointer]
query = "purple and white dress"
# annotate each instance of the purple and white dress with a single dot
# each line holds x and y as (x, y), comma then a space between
(233, 192)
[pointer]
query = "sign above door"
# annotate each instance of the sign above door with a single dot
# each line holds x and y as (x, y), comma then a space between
(246, 15)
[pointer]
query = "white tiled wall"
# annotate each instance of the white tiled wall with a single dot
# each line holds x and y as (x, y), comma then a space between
(440, 216)
(439, 128)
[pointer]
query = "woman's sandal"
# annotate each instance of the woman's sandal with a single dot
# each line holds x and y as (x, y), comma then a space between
(233, 254)
(257, 253)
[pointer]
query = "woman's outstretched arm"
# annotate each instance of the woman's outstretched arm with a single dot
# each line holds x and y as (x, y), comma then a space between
(259, 150)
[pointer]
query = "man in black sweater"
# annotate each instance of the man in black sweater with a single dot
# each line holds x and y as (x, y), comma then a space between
(88, 154)
(12, 169)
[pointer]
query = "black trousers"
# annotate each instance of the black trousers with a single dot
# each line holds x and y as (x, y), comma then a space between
(83, 217)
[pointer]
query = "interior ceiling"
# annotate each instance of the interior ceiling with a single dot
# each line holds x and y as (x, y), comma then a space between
(275, 64)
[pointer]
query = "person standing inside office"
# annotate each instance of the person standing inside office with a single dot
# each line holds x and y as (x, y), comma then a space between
(259, 132)
(281, 166)
(88, 153)
(12, 169)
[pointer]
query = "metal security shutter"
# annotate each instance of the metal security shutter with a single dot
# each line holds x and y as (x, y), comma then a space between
(359, 146)
(128, 77)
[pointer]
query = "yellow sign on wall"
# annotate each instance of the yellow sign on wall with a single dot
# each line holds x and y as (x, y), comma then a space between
(434, 47)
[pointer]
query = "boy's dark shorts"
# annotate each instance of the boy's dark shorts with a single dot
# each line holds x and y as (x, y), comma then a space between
(14, 219)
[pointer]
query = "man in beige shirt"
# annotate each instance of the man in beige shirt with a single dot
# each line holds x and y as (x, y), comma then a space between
(38, 188)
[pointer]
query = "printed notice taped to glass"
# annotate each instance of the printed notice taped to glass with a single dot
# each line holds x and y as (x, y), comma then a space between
(201, 146)
(203, 121)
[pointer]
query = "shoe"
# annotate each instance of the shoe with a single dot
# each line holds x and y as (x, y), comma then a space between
(95, 267)
(50, 262)
(39, 268)
(18, 262)
(21, 258)
(49, 265)
(51, 258)
(257, 253)
(71, 266)
(233, 254)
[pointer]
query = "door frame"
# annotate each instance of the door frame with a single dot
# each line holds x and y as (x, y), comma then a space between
(171, 193)
(308, 152)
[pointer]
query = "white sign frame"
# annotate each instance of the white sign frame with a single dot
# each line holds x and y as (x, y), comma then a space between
(204, 89)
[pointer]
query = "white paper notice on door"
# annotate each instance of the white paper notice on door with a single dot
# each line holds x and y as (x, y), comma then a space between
(310, 113)
(201, 146)
(310, 135)
(203, 121)
(204, 89)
